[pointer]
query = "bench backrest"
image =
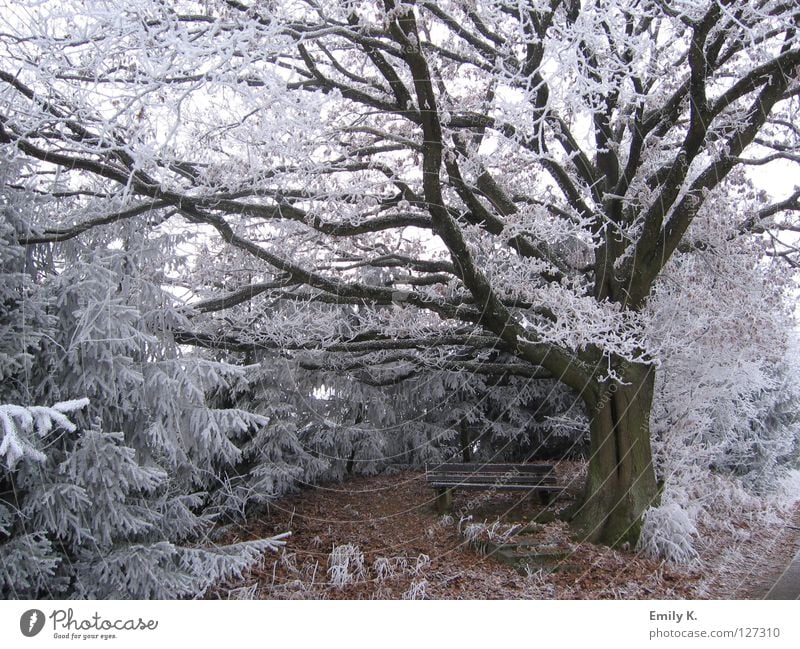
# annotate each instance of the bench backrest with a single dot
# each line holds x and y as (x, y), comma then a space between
(468, 469)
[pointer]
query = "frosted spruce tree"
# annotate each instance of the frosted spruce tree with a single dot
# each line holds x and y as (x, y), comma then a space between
(114, 500)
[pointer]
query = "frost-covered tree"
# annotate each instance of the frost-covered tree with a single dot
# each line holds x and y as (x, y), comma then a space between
(401, 413)
(90, 513)
(725, 390)
(725, 422)
(516, 176)
(85, 519)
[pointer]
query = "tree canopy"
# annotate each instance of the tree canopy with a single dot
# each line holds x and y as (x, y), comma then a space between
(494, 188)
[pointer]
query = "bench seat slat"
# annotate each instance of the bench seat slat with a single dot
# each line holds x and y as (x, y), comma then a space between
(496, 479)
(493, 477)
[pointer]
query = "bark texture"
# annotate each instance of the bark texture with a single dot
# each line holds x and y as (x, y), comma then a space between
(621, 482)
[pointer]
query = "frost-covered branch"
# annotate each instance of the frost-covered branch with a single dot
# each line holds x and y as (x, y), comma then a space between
(21, 425)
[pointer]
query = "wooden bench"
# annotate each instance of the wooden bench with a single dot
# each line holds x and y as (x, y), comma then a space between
(534, 478)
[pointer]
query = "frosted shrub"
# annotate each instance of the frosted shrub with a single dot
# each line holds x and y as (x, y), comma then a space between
(535, 575)
(495, 532)
(724, 424)
(422, 562)
(501, 533)
(668, 532)
(473, 531)
(345, 565)
(789, 485)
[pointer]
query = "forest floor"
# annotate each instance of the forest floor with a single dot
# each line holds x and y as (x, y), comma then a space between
(391, 544)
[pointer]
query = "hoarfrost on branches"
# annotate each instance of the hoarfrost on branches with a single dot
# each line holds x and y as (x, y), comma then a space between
(19, 423)
(544, 215)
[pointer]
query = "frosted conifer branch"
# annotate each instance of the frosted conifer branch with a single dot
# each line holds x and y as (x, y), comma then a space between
(20, 423)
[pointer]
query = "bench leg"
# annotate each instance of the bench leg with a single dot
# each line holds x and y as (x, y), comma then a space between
(444, 500)
(545, 497)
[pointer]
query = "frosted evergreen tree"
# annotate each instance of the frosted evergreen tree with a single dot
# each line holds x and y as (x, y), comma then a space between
(90, 513)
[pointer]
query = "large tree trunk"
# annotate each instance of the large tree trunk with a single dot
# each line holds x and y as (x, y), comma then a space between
(621, 483)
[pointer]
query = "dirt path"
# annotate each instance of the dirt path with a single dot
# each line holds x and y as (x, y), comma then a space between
(786, 584)
(750, 564)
